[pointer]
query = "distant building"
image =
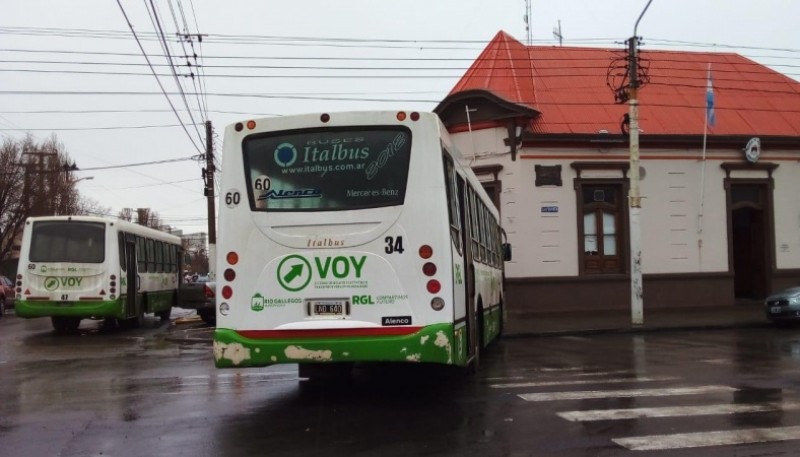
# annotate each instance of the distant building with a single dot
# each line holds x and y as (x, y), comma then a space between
(716, 226)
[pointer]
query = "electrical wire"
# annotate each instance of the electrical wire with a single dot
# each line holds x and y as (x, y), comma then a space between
(163, 90)
(165, 46)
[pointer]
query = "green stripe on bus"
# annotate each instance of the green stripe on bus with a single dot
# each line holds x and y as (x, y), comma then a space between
(431, 344)
(156, 301)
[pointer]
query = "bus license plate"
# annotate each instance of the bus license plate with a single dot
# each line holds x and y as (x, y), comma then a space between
(328, 308)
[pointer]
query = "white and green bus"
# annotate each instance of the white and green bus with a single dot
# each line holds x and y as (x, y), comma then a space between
(353, 237)
(77, 267)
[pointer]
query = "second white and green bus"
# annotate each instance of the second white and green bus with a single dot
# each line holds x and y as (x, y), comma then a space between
(353, 237)
(80, 267)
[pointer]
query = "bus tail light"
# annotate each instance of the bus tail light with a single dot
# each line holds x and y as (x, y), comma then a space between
(434, 286)
(325, 117)
(227, 292)
(251, 125)
(401, 116)
(425, 251)
(414, 116)
(232, 258)
(429, 269)
(437, 303)
(229, 274)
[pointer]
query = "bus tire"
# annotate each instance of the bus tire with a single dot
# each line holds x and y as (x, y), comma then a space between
(209, 316)
(164, 315)
(63, 324)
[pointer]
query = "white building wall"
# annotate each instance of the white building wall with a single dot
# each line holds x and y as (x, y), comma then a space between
(546, 244)
(786, 199)
(675, 238)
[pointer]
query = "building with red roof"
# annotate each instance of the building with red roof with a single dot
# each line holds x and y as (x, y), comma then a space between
(720, 217)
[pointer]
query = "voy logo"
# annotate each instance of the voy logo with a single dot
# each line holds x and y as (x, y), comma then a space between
(51, 283)
(285, 155)
(299, 193)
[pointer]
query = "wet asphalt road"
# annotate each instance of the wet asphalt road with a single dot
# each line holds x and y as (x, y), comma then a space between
(139, 393)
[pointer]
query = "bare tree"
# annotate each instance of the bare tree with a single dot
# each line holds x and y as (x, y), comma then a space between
(12, 204)
(148, 218)
(90, 207)
(36, 179)
(126, 214)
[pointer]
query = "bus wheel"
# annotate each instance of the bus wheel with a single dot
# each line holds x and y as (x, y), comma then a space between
(164, 315)
(111, 323)
(63, 324)
(209, 316)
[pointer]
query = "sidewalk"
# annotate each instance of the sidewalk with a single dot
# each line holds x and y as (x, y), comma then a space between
(744, 314)
(191, 329)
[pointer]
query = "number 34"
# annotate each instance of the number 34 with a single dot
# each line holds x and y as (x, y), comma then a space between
(394, 245)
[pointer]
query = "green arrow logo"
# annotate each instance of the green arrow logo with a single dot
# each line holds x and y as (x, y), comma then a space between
(290, 269)
(295, 271)
(51, 283)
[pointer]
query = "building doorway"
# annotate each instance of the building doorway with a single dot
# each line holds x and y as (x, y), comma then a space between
(749, 241)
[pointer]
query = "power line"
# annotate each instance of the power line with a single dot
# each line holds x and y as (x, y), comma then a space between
(158, 80)
(92, 128)
(165, 46)
(398, 76)
(373, 58)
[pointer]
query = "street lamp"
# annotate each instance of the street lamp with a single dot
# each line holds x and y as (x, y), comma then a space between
(86, 178)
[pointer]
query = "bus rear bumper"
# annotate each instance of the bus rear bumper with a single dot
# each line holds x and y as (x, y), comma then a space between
(438, 343)
(31, 309)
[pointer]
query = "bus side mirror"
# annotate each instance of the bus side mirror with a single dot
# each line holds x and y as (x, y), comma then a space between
(506, 252)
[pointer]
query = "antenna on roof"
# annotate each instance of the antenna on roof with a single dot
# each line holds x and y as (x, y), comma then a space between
(557, 34)
(527, 19)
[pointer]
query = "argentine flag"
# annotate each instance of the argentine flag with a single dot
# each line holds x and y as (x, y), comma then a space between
(711, 117)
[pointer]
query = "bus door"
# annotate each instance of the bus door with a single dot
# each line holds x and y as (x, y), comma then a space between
(464, 212)
(132, 278)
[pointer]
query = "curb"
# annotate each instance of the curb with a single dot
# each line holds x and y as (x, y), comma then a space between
(632, 330)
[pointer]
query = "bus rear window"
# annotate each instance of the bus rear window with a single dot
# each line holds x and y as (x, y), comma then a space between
(327, 169)
(74, 241)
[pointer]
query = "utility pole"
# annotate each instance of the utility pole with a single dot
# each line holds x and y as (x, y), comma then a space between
(208, 173)
(634, 195)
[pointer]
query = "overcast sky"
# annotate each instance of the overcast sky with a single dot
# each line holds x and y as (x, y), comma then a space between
(249, 48)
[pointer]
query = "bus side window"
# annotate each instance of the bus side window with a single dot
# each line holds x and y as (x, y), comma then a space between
(141, 259)
(121, 247)
(452, 201)
(151, 256)
(159, 251)
(476, 252)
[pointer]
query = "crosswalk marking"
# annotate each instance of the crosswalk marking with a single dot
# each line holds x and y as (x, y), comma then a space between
(673, 411)
(703, 439)
(577, 382)
(583, 395)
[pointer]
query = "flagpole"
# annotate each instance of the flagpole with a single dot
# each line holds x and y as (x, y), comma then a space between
(703, 182)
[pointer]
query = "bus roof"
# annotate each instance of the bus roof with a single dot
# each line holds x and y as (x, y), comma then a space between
(119, 223)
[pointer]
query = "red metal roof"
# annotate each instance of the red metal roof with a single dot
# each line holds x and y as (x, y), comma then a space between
(569, 87)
